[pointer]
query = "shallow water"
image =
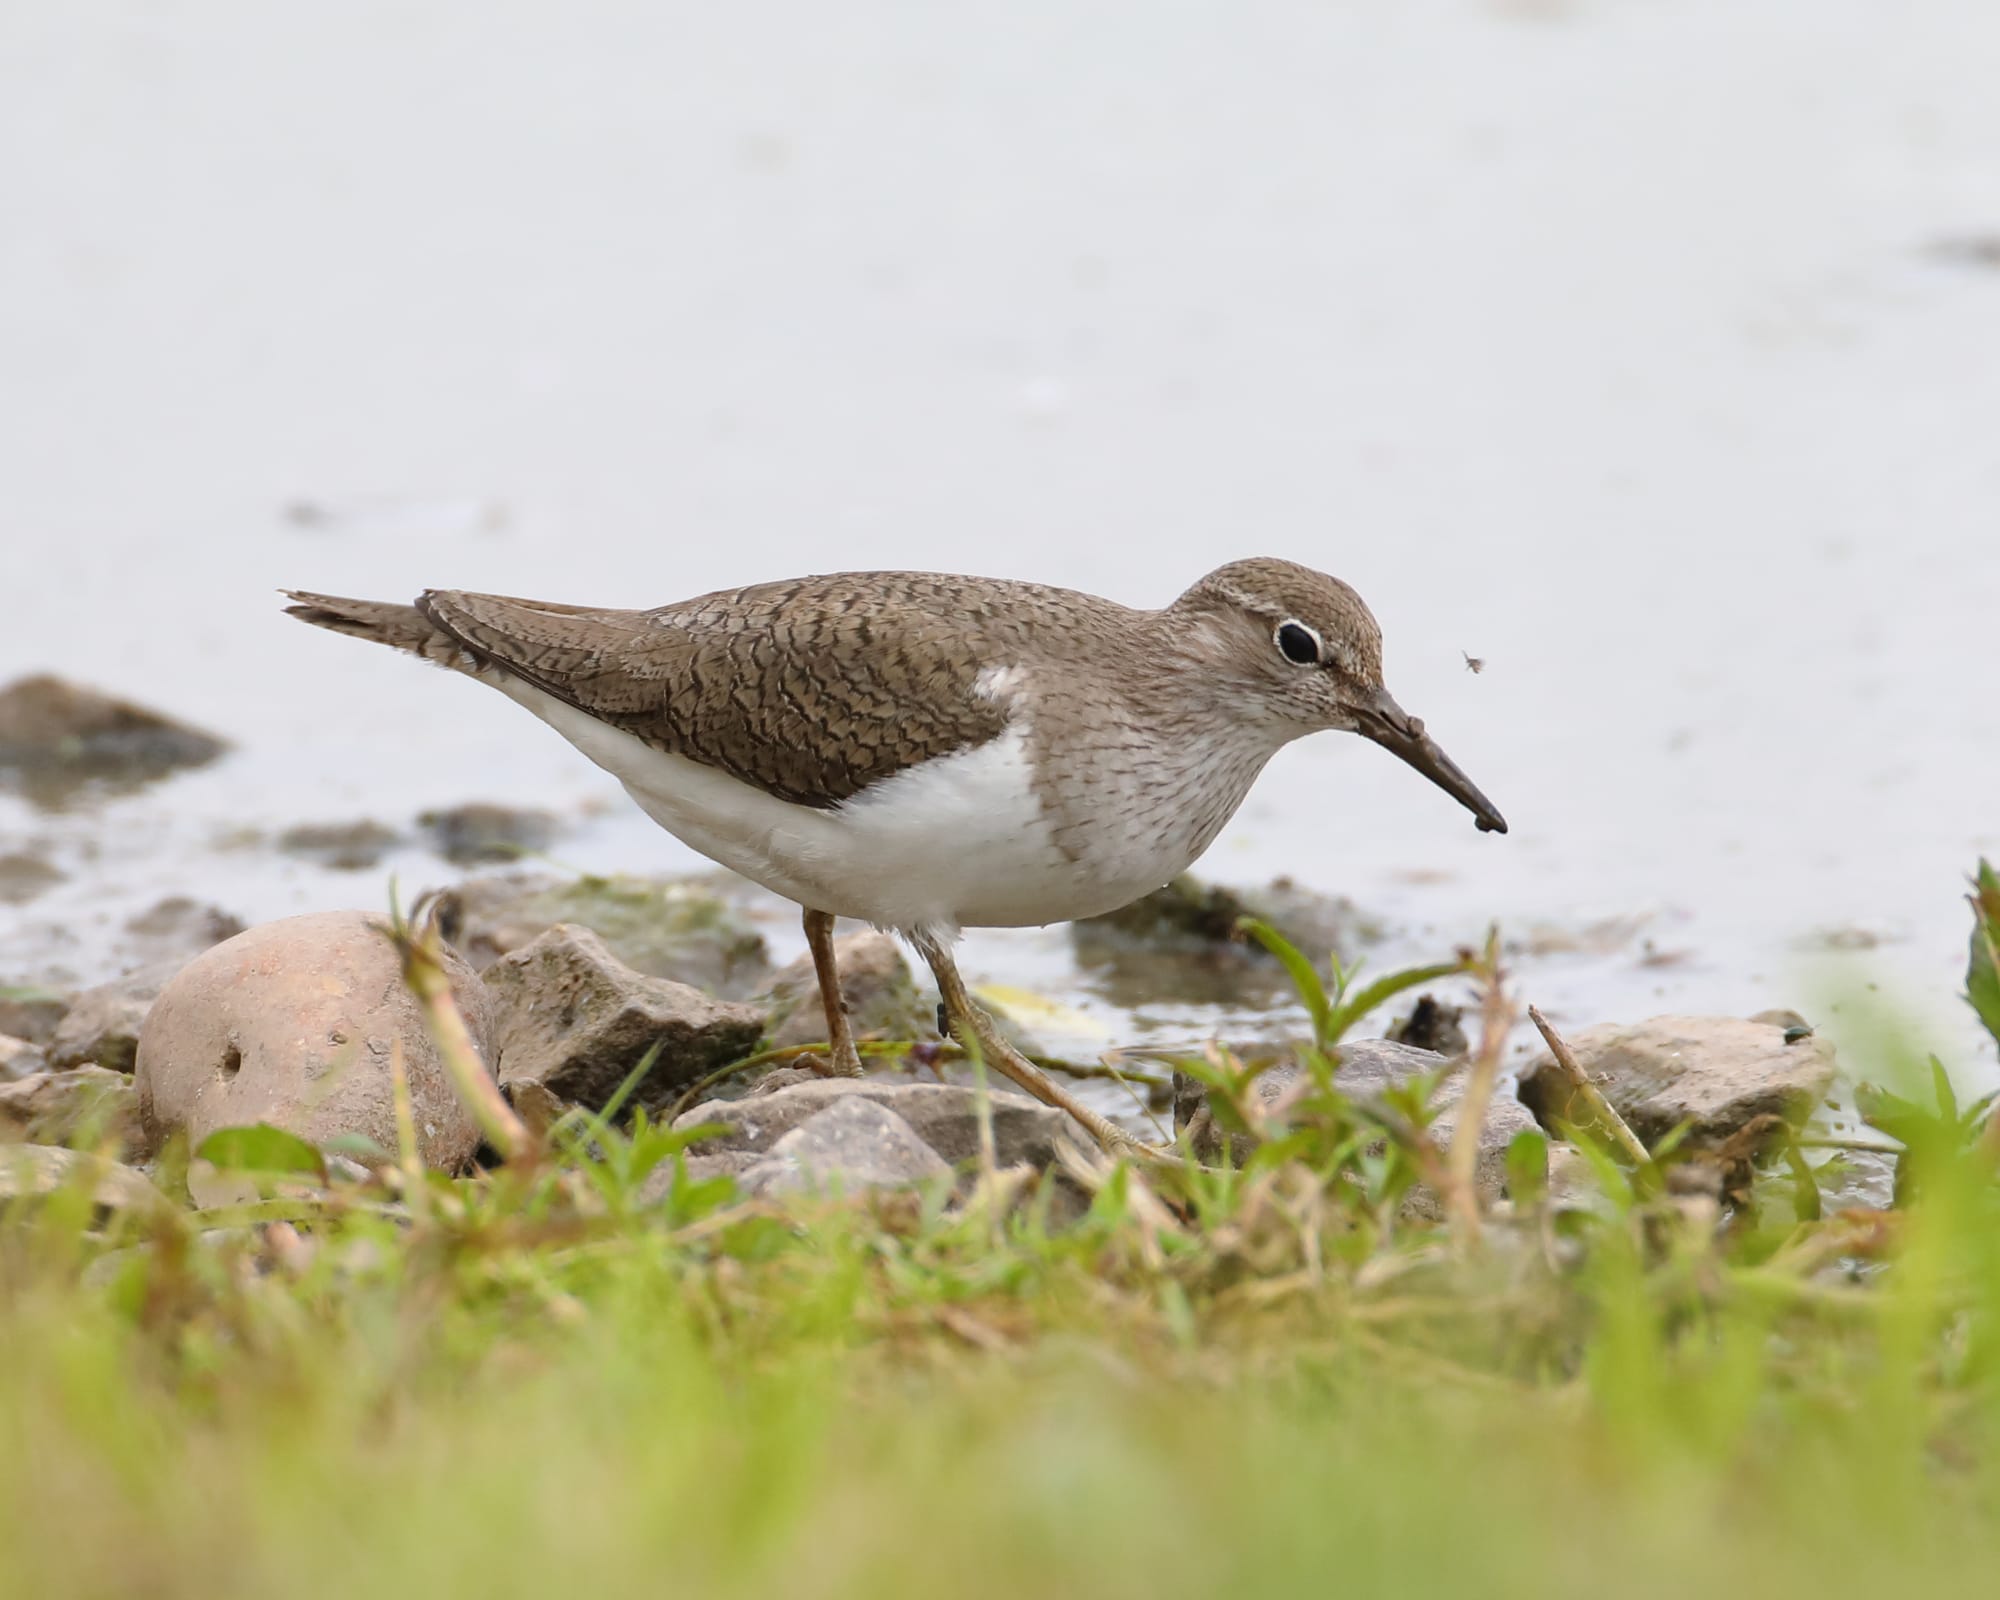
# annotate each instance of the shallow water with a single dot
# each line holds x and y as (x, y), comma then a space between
(1649, 354)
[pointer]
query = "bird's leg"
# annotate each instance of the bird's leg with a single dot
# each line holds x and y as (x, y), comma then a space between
(843, 1060)
(975, 1030)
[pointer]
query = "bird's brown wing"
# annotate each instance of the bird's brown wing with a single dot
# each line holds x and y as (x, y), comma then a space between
(809, 690)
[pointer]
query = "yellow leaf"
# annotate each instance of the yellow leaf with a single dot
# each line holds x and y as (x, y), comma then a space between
(1038, 1012)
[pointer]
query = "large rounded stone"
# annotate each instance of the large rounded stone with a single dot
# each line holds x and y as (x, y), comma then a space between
(294, 1023)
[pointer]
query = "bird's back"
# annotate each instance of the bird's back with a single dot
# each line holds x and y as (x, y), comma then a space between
(811, 689)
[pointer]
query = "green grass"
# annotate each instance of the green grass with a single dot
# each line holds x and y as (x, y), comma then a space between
(810, 1424)
(527, 1384)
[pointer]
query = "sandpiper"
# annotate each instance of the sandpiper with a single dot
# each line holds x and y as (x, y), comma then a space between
(929, 752)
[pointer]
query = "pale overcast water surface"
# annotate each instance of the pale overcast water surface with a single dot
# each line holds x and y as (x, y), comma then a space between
(1649, 352)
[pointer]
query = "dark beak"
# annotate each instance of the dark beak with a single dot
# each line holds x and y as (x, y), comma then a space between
(1393, 728)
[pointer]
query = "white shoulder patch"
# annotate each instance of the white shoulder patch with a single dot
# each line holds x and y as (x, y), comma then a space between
(1002, 685)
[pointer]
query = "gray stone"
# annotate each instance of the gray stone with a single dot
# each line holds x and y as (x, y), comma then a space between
(679, 929)
(1368, 1068)
(341, 846)
(31, 1013)
(875, 984)
(57, 737)
(1188, 912)
(853, 1144)
(1431, 1025)
(573, 1018)
(102, 1027)
(296, 1023)
(1714, 1072)
(35, 1171)
(19, 1058)
(177, 929)
(23, 877)
(63, 1107)
(468, 834)
(1573, 1184)
(943, 1115)
(534, 1105)
(1180, 943)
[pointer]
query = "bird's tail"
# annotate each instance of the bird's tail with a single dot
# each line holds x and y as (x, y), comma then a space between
(404, 627)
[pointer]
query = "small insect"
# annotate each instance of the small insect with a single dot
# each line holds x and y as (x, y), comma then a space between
(1473, 663)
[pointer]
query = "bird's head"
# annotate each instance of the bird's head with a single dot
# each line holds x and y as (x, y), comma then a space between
(1299, 651)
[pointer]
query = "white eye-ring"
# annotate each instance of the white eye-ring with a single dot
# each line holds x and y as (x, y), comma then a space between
(1298, 643)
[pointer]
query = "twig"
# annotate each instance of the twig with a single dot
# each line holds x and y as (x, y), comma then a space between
(1107, 1068)
(1869, 1147)
(1583, 1089)
(422, 952)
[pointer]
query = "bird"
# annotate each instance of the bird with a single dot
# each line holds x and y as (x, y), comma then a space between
(930, 752)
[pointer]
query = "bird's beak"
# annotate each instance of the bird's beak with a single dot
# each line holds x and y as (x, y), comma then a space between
(1393, 728)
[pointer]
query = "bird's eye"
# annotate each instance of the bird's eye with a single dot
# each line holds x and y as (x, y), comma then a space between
(1299, 643)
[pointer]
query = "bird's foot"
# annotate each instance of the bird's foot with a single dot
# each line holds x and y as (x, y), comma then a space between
(841, 1060)
(1113, 1140)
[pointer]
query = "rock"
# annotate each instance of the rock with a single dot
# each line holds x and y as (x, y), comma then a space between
(772, 1081)
(295, 1023)
(19, 1059)
(875, 983)
(468, 834)
(1368, 1067)
(672, 928)
(56, 737)
(534, 1105)
(24, 877)
(1715, 1072)
(1180, 943)
(32, 1014)
(1980, 250)
(853, 1144)
(1573, 1184)
(572, 1017)
(178, 929)
(62, 1107)
(943, 1115)
(341, 846)
(102, 1027)
(1188, 912)
(37, 1171)
(1433, 1026)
